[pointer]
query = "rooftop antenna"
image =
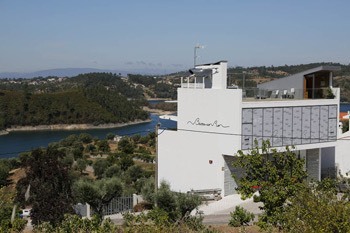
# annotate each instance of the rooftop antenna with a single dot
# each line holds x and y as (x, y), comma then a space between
(198, 46)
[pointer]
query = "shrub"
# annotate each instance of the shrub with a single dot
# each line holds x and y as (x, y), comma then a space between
(74, 224)
(240, 217)
(317, 208)
(110, 136)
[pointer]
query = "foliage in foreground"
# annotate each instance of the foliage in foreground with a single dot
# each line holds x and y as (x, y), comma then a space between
(178, 206)
(318, 208)
(172, 214)
(75, 224)
(159, 221)
(277, 176)
(6, 206)
(50, 185)
(240, 217)
(155, 221)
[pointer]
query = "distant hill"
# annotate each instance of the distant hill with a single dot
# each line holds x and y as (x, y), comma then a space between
(64, 72)
(71, 72)
(94, 98)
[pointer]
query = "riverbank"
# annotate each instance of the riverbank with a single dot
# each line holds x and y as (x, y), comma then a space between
(158, 111)
(70, 127)
(3, 132)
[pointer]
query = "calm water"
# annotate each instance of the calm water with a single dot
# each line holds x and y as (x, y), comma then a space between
(344, 107)
(15, 142)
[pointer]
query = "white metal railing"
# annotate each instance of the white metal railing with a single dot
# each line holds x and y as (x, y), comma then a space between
(193, 82)
(192, 85)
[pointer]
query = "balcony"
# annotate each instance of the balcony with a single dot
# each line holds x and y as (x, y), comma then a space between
(257, 94)
(193, 82)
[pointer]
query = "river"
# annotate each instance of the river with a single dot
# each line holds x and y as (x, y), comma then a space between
(16, 142)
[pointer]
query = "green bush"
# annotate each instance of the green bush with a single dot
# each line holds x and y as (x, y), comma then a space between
(18, 224)
(158, 221)
(240, 217)
(75, 224)
(317, 208)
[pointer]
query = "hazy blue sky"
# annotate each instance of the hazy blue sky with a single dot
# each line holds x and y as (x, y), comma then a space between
(130, 34)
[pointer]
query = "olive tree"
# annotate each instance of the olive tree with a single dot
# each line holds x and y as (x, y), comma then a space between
(97, 193)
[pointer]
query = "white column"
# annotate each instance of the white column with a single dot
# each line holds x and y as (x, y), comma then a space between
(134, 200)
(331, 79)
(88, 213)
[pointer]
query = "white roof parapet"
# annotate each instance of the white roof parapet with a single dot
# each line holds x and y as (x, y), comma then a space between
(218, 73)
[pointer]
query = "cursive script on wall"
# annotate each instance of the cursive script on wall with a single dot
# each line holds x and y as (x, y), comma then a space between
(215, 123)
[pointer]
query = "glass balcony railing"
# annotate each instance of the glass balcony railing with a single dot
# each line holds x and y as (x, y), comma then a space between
(292, 93)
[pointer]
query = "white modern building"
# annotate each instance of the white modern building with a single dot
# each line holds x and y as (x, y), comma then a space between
(214, 122)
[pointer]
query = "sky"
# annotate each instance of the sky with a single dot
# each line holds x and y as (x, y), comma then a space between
(161, 34)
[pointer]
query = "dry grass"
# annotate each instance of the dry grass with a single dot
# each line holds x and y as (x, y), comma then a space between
(228, 229)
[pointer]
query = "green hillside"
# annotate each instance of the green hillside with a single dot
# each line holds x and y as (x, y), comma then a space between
(92, 98)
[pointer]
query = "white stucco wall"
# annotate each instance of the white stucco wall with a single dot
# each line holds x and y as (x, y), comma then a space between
(342, 154)
(209, 125)
(184, 159)
(222, 108)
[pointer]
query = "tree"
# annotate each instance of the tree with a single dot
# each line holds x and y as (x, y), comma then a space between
(126, 146)
(125, 162)
(103, 146)
(97, 193)
(90, 148)
(317, 208)
(110, 136)
(178, 206)
(85, 138)
(50, 185)
(100, 166)
(147, 190)
(133, 173)
(277, 176)
(77, 150)
(81, 165)
(166, 200)
(113, 170)
(4, 172)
